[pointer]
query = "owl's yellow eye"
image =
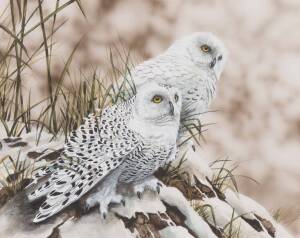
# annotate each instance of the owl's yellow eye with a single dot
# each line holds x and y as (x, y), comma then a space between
(205, 48)
(157, 99)
(176, 98)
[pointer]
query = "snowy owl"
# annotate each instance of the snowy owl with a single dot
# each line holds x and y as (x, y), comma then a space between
(193, 64)
(126, 144)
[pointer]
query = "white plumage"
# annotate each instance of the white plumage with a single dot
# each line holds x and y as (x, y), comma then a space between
(126, 144)
(130, 141)
(192, 64)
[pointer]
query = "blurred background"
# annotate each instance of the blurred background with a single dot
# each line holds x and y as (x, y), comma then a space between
(257, 122)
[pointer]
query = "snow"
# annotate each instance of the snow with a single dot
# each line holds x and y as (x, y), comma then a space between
(94, 227)
(173, 197)
(47, 144)
(233, 199)
(31, 140)
(224, 213)
(248, 205)
(175, 232)
(240, 205)
(235, 205)
(14, 224)
(196, 165)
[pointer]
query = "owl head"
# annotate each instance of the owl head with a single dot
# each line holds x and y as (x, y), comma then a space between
(158, 104)
(202, 49)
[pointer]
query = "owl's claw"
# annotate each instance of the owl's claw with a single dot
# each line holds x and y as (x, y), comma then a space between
(84, 208)
(104, 197)
(159, 185)
(158, 189)
(151, 183)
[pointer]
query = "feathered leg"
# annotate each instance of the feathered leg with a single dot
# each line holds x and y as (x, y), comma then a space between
(149, 183)
(105, 194)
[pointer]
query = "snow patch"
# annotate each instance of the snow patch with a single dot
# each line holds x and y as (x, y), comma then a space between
(94, 227)
(175, 232)
(224, 214)
(174, 197)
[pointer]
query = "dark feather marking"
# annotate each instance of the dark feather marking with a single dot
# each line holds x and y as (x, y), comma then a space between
(78, 192)
(64, 202)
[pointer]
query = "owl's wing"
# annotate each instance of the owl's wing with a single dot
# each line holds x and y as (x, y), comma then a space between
(95, 149)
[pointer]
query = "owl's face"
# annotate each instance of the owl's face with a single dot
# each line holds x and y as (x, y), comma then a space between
(158, 104)
(202, 49)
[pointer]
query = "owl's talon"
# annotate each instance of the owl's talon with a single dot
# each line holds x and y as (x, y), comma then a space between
(150, 183)
(104, 197)
(85, 208)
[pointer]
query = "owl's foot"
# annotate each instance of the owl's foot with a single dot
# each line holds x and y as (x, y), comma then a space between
(150, 183)
(104, 197)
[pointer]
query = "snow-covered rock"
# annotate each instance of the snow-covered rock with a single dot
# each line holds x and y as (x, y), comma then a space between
(174, 213)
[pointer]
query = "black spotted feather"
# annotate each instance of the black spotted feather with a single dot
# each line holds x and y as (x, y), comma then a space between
(92, 151)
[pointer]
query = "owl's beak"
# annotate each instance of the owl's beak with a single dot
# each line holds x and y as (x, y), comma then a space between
(213, 62)
(171, 108)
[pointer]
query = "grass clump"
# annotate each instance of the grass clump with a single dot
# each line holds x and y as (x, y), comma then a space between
(14, 174)
(63, 108)
(15, 59)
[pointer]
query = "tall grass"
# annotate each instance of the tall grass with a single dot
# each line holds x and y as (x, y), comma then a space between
(15, 59)
(63, 108)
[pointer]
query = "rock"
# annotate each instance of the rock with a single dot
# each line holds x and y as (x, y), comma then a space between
(197, 207)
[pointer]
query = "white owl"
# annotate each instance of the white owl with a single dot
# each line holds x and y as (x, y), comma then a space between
(126, 144)
(192, 64)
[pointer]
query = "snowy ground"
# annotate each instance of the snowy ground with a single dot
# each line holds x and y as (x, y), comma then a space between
(169, 214)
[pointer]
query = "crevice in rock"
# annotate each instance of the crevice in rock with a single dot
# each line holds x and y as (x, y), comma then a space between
(12, 140)
(146, 226)
(253, 223)
(189, 192)
(220, 194)
(204, 188)
(217, 231)
(51, 156)
(267, 225)
(55, 230)
(149, 225)
(34, 154)
(178, 218)
(18, 144)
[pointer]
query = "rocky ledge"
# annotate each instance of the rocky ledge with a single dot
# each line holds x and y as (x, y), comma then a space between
(191, 204)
